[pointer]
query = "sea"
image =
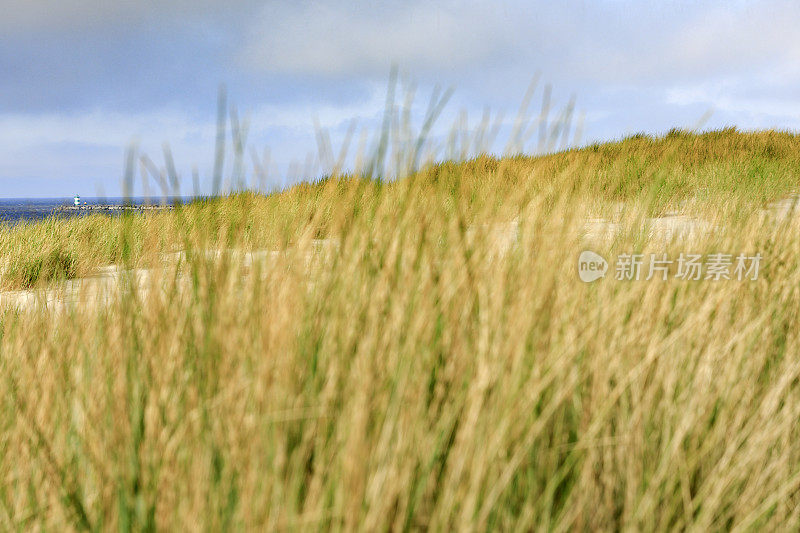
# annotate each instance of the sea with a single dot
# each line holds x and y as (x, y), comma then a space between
(21, 210)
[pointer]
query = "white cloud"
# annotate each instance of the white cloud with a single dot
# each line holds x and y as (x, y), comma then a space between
(91, 144)
(746, 42)
(95, 128)
(346, 38)
(756, 111)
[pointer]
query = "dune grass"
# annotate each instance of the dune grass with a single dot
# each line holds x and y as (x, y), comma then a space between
(677, 172)
(402, 364)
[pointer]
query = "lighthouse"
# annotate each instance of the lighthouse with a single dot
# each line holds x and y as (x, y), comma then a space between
(77, 200)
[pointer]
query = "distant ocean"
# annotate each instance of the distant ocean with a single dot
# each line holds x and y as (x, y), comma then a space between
(13, 210)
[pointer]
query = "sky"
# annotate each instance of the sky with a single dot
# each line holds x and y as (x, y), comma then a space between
(84, 80)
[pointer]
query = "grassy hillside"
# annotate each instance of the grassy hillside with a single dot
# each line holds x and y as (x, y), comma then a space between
(419, 353)
(716, 171)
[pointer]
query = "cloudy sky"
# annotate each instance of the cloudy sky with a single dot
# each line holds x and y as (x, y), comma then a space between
(82, 79)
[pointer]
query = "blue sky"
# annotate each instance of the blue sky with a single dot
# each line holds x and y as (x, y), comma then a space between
(81, 79)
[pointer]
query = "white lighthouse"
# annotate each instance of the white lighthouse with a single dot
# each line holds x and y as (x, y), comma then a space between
(77, 200)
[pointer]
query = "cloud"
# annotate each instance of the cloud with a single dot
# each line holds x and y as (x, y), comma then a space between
(89, 146)
(716, 41)
(347, 38)
(621, 42)
(22, 16)
(85, 76)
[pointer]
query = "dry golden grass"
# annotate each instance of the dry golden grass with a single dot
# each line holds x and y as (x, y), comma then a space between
(402, 364)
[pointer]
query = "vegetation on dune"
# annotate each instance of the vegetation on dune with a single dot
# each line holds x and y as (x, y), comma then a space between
(677, 172)
(401, 364)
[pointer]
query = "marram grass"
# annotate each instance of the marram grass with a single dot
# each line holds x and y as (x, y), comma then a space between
(401, 363)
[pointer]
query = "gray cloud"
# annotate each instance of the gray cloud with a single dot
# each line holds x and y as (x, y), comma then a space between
(329, 38)
(93, 72)
(23, 16)
(603, 42)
